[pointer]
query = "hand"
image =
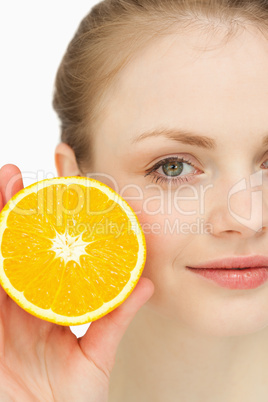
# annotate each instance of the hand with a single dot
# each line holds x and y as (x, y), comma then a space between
(41, 361)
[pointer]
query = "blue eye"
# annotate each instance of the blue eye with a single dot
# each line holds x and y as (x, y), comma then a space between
(265, 164)
(172, 169)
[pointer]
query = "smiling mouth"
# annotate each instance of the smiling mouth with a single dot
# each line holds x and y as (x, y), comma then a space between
(237, 263)
(240, 269)
(226, 268)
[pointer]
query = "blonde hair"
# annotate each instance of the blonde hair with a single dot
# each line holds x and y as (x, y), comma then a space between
(110, 35)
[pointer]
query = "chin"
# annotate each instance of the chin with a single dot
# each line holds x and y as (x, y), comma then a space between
(232, 327)
(227, 316)
(236, 320)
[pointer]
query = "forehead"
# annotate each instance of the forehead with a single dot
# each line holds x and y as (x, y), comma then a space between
(195, 81)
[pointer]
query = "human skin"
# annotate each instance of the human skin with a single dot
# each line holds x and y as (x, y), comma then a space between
(41, 361)
(193, 340)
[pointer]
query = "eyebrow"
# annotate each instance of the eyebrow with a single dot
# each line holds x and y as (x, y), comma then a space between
(182, 136)
(185, 137)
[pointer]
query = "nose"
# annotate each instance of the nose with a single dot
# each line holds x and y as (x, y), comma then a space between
(240, 208)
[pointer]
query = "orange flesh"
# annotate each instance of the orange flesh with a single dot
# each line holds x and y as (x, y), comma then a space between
(68, 287)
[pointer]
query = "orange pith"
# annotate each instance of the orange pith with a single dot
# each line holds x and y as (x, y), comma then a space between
(71, 249)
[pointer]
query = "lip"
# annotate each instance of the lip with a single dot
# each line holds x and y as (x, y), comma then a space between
(249, 261)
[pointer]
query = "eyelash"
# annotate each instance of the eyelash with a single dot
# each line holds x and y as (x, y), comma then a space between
(162, 179)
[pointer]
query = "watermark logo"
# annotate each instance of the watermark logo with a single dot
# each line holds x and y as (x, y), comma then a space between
(255, 221)
(188, 202)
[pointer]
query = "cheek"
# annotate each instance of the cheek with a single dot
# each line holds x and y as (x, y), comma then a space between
(170, 227)
(169, 241)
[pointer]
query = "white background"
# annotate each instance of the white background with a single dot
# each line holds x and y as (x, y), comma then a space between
(34, 36)
(33, 39)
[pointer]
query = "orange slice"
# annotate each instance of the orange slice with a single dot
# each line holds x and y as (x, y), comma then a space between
(72, 249)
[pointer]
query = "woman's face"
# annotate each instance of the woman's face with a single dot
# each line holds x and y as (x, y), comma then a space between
(210, 100)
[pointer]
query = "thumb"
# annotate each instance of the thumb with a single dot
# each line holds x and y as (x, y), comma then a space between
(103, 336)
